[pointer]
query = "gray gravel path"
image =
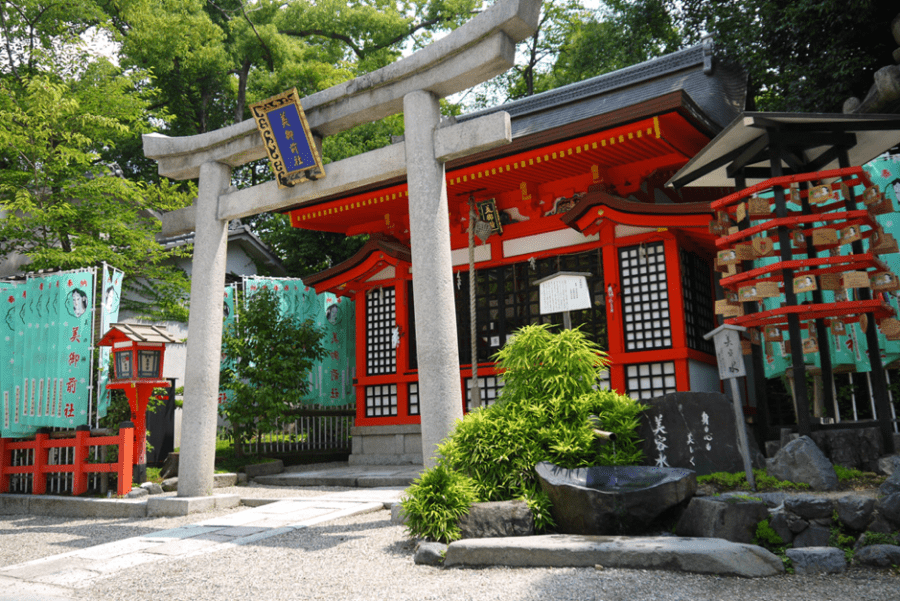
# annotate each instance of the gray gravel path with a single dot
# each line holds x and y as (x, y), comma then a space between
(365, 557)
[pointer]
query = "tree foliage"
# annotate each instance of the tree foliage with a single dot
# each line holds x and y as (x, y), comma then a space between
(802, 55)
(270, 354)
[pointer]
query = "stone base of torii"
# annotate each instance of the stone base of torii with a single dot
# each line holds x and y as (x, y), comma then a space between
(480, 49)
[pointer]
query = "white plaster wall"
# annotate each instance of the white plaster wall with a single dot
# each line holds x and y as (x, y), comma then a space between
(703, 377)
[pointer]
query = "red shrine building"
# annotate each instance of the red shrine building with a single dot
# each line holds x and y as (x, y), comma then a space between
(581, 188)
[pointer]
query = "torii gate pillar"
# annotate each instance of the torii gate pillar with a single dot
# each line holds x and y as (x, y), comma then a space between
(429, 227)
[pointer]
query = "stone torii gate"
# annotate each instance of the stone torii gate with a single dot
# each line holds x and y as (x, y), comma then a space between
(478, 50)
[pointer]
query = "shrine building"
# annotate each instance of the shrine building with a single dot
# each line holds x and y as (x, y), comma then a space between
(581, 188)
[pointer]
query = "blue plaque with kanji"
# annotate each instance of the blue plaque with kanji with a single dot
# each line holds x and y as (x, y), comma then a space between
(289, 143)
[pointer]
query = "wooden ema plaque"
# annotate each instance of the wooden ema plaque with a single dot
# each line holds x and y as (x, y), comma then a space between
(838, 327)
(884, 281)
(763, 247)
(881, 243)
(855, 279)
(726, 309)
(890, 327)
(871, 195)
(758, 207)
(798, 239)
(746, 347)
(773, 334)
(805, 283)
(820, 195)
(740, 212)
(759, 290)
(810, 345)
(824, 236)
(831, 281)
(882, 207)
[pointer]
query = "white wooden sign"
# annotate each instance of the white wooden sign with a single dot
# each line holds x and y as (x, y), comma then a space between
(727, 339)
(564, 291)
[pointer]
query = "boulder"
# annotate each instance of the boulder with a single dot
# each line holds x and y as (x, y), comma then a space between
(224, 480)
(879, 524)
(169, 484)
(398, 517)
(137, 493)
(891, 485)
(430, 554)
(731, 519)
(803, 462)
(855, 512)
(698, 431)
(817, 560)
(809, 507)
(606, 500)
(889, 508)
(264, 469)
(497, 518)
(814, 536)
(889, 464)
(879, 556)
(781, 523)
(152, 487)
(170, 466)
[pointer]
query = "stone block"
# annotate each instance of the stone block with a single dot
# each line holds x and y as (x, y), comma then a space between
(817, 560)
(169, 485)
(891, 485)
(879, 556)
(178, 506)
(137, 493)
(430, 554)
(780, 523)
(772, 447)
(398, 518)
(264, 469)
(497, 519)
(699, 555)
(152, 487)
(809, 507)
(706, 419)
(732, 520)
(224, 480)
(814, 536)
(855, 512)
(802, 461)
(857, 448)
(14, 504)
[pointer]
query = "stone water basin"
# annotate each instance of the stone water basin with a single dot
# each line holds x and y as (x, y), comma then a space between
(613, 500)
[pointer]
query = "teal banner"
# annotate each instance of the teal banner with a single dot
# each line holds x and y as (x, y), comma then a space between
(228, 317)
(331, 380)
(109, 314)
(45, 370)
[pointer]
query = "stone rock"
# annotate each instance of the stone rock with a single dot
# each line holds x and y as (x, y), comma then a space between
(398, 518)
(430, 554)
(169, 484)
(497, 518)
(780, 523)
(264, 469)
(772, 447)
(241, 479)
(852, 448)
(170, 466)
(809, 507)
(152, 487)
(879, 556)
(818, 560)
(604, 500)
(814, 536)
(137, 493)
(855, 512)
(802, 461)
(891, 485)
(895, 28)
(699, 555)
(889, 508)
(729, 519)
(706, 419)
(879, 524)
(888, 465)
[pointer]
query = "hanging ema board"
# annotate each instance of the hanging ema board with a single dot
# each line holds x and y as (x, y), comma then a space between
(564, 291)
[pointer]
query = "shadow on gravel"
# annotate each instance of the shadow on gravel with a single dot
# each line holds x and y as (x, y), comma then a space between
(83, 535)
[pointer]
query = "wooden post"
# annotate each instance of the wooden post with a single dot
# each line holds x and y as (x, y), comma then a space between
(39, 475)
(82, 448)
(126, 457)
(5, 461)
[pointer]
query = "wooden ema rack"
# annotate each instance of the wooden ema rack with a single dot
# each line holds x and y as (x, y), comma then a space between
(832, 221)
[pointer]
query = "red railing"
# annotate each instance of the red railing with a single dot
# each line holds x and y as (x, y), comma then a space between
(79, 468)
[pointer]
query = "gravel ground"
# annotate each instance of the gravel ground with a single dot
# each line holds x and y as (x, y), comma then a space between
(365, 557)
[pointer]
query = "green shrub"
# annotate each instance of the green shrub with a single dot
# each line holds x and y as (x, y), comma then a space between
(435, 501)
(541, 415)
(767, 537)
(738, 481)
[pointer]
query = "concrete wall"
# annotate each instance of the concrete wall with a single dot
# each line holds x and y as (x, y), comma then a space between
(386, 445)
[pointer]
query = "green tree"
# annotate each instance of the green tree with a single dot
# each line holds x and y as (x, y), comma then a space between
(270, 355)
(801, 55)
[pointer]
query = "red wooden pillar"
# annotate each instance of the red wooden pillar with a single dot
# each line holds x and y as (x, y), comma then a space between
(126, 457)
(614, 332)
(39, 474)
(361, 342)
(82, 448)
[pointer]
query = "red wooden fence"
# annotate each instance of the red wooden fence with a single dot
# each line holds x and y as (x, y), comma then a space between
(79, 468)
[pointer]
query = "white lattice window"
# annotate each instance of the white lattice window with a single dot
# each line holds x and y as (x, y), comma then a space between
(645, 297)
(381, 400)
(381, 355)
(645, 381)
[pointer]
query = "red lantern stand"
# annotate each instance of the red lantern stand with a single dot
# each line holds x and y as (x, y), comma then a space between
(138, 358)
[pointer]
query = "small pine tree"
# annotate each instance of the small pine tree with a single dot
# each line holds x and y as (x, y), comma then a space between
(271, 355)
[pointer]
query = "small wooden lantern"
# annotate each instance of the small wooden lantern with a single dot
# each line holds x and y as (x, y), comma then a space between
(138, 357)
